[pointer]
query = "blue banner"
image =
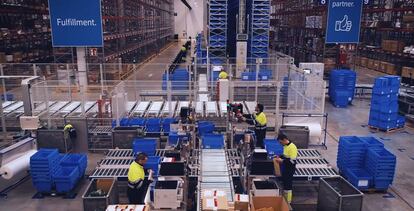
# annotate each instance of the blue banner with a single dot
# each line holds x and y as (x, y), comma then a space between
(76, 23)
(344, 21)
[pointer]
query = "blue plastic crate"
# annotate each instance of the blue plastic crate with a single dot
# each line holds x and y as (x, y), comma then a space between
(174, 138)
(371, 142)
(381, 184)
(205, 127)
(76, 160)
(136, 122)
(124, 122)
(359, 178)
(8, 97)
(43, 186)
(153, 163)
(273, 147)
(44, 155)
(213, 141)
(166, 124)
(381, 86)
(385, 107)
(147, 146)
(153, 125)
(65, 179)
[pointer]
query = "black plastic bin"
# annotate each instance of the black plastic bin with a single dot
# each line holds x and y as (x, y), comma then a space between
(335, 193)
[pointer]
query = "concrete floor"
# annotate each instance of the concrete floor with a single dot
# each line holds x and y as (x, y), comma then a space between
(342, 122)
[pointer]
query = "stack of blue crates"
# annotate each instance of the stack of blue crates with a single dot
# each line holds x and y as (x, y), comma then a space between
(212, 141)
(377, 167)
(384, 103)
(43, 165)
(153, 163)
(66, 178)
(351, 153)
(205, 127)
(342, 87)
(153, 125)
(166, 124)
(259, 27)
(248, 76)
(273, 147)
(381, 164)
(217, 29)
(79, 161)
(147, 146)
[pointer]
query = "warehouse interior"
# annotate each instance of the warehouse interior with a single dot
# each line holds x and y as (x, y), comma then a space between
(266, 105)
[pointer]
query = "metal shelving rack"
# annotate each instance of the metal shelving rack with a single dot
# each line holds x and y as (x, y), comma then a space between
(291, 34)
(25, 31)
(217, 29)
(259, 29)
(134, 30)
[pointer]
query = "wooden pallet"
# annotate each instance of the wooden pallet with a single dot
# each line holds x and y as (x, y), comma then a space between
(373, 191)
(391, 130)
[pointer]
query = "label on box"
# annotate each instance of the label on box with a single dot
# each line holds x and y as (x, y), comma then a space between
(362, 182)
(242, 198)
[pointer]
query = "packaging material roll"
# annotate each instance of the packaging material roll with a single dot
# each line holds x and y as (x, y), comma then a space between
(315, 132)
(17, 166)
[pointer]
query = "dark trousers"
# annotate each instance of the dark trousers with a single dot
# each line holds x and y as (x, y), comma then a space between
(260, 136)
(136, 195)
(288, 170)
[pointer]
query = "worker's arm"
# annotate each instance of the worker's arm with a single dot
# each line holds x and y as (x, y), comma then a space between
(249, 119)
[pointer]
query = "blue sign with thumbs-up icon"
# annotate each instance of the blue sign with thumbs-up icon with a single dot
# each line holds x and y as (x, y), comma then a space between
(344, 21)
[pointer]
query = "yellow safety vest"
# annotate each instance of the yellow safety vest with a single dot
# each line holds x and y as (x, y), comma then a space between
(223, 75)
(261, 119)
(67, 127)
(290, 151)
(183, 49)
(136, 173)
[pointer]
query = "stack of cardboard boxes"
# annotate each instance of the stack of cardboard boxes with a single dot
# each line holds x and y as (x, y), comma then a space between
(377, 65)
(393, 45)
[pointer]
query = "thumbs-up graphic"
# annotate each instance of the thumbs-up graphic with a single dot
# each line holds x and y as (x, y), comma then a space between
(343, 25)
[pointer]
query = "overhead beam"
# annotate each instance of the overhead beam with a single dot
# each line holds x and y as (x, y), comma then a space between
(186, 4)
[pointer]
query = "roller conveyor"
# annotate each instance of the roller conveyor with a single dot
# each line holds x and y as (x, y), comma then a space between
(116, 163)
(7, 103)
(141, 108)
(130, 105)
(42, 107)
(211, 109)
(70, 107)
(88, 105)
(57, 106)
(199, 108)
(311, 166)
(154, 109)
(101, 130)
(310, 153)
(251, 106)
(166, 109)
(13, 107)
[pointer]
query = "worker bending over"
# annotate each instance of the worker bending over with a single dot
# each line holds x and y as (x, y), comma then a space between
(288, 161)
(69, 132)
(137, 183)
(260, 121)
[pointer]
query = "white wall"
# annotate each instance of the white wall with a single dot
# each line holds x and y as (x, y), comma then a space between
(188, 21)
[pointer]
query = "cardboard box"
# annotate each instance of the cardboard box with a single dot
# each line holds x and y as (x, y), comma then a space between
(392, 45)
(2, 57)
(276, 165)
(241, 202)
(408, 18)
(391, 69)
(370, 63)
(209, 193)
(407, 72)
(215, 203)
(276, 203)
(364, 62)
(383, 67)
(376, 64)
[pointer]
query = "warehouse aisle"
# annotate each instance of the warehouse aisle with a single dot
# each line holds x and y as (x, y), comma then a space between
(154, 69)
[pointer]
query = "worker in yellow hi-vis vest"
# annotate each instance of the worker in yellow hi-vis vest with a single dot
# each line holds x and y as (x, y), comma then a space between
(288, 161)
(137, 183)
(259, 120)
(223, 74)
